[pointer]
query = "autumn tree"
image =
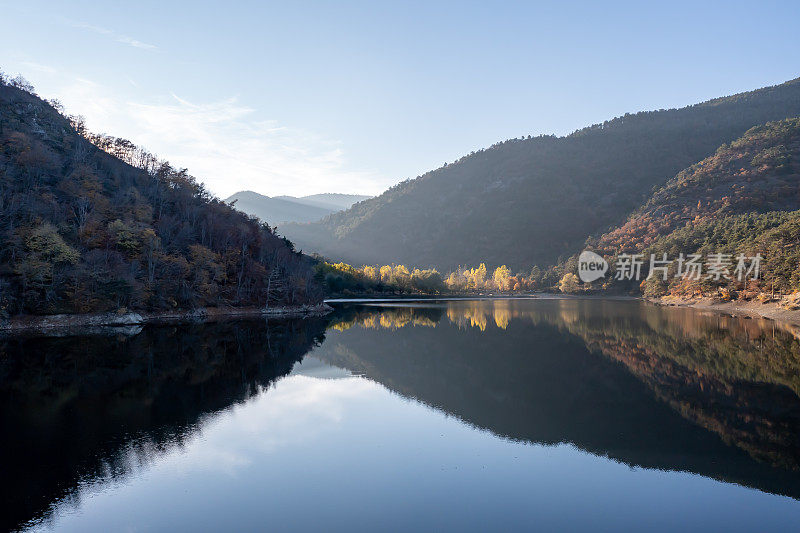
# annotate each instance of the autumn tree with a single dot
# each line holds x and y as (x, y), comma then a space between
(569, 283)
(502, 278)
(94, 223)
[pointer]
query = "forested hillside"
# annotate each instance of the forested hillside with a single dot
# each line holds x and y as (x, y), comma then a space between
(525, 202)
(89, 229)
(756, 173)
(744, 199)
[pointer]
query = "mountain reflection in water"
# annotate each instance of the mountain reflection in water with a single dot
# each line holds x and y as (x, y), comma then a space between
(82, 409)
(672, 388)
(659, 388)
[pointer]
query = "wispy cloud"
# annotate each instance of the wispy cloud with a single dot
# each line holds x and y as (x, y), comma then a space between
(223, 143)
(227, 146)
(124, 39)
(38, 67)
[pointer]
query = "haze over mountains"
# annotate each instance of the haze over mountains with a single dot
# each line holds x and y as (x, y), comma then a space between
(526, 202)
(279, 209)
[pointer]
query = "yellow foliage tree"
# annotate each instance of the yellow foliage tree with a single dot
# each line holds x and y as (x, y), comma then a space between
(371, 273)
(569, 283)
(502, 278)
(455, 281)
(401, 275)
(476, 277)
(386, 274)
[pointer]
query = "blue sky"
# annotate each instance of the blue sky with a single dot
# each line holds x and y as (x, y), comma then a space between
(300, 98)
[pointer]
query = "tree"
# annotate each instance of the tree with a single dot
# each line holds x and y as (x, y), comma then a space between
(371, 273)
(46, 253)
(476, 278)
(427, 281)
(93, 223)
(401, 276)
(456, 281)
(569, 283)
(386, 274)
(502, 278)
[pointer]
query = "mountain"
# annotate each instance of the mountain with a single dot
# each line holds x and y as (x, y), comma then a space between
(529, 201)
(329, 200)
(279, 209)
(757, 173)
(276, 210)
(743, 199)
(82, 229)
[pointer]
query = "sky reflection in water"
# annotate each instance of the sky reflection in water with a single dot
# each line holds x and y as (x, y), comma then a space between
(426, 422)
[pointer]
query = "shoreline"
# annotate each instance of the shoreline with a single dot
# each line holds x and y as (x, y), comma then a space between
(457, 297)
(785, 310)
(111, 321)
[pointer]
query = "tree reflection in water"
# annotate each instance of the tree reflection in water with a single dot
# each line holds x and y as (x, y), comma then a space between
(93, 408)
(599, 374)
(673, 389)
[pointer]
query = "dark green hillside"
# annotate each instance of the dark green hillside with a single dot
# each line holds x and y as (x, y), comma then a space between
(83, 230)
(529, 201)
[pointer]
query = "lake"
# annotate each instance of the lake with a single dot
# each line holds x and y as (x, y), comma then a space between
(465, 415)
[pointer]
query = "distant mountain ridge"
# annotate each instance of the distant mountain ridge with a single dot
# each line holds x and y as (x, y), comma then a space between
(280, 209)
(531, 201)
(331, 200)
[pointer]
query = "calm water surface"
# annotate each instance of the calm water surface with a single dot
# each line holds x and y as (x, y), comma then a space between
(460, 415)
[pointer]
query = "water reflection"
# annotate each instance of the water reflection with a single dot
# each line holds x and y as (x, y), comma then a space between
(180, 417)
(670, 388)
(79, 410)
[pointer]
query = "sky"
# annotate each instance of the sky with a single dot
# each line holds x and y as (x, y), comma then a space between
(307, 97)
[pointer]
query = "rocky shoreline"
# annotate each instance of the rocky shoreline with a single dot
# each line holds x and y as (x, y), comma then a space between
(132, 321)
(784, 309)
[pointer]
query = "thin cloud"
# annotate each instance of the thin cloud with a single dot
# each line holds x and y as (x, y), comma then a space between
(38, 67)
(135, 43)
(223, 143)
(124, 39)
